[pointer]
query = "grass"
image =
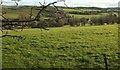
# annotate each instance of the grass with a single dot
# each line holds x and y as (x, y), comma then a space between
(15, 12)
(85, 16)
(63, 47)
(79, 10)
(83, 10)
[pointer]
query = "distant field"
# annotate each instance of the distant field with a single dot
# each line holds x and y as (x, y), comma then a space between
(80, 10)
(14, 12)
(85, 16)
(83, 10)
(63, 47)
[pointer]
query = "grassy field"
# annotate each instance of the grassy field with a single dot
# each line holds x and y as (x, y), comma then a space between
(85, 16)
(63, 47)
(84, 10)
(79, 10)
(15, 12)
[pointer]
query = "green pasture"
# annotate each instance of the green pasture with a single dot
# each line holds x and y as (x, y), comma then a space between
(62, 47)
(84, 16)
(79, 10)
(16, 12)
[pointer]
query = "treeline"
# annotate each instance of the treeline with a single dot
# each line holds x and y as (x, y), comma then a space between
(72, 21)
(108, 19)
(51, 18)
(90, 12)
(85, 12)
(114, 9)
(59, 22)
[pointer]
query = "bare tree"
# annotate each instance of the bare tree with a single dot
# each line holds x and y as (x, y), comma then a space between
(9, 23)
(16, 2)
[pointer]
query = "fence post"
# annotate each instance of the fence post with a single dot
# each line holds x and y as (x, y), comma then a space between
(105, 61)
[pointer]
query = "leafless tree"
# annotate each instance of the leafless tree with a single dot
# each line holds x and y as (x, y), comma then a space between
(9, 23)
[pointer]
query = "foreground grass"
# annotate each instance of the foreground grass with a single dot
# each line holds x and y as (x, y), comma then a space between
(64, 47)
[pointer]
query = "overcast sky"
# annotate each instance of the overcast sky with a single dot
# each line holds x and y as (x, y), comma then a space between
(71, 3)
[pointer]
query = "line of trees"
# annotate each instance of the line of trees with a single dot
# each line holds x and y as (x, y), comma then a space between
(108, 19)
(85, 12)
(72, 21)
(91, 12)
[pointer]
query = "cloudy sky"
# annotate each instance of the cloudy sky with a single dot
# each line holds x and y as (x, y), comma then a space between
(70, 3)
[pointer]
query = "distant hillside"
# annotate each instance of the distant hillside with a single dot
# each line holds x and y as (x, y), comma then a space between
(78, 12)
(94, 8)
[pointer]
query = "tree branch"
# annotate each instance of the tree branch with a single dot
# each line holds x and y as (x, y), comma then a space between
(30, 20)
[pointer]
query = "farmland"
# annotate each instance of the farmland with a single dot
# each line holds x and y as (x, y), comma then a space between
(82, 10)
(62, 47)
(14, 12)
(69, 38)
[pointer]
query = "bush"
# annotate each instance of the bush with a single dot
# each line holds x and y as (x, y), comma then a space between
(74, 22)
(83, 21)
(109, 19)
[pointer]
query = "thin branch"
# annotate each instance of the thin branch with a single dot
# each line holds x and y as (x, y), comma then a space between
(55, 7)
(66, 5)
(31, 13)
(44, 2)
(16, 3)
(41, 4)
(43, 9)
(4, 17)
